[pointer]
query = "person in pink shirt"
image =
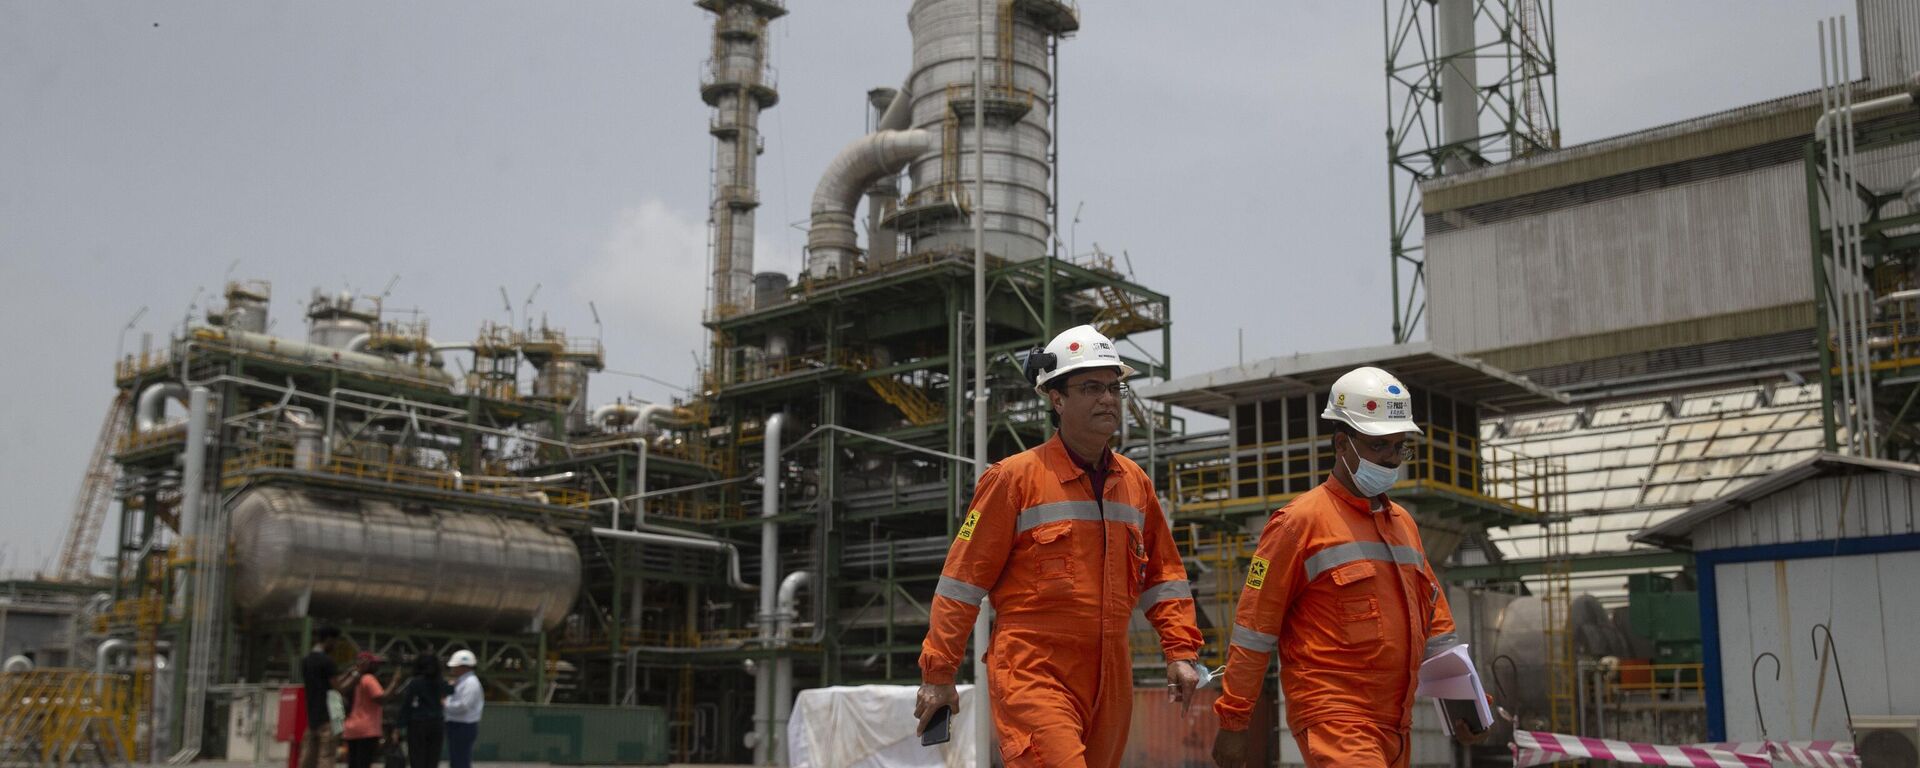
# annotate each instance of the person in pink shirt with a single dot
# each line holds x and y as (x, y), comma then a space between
(362, 732)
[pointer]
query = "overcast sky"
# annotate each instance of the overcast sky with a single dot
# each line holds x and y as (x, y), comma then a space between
(148, 151)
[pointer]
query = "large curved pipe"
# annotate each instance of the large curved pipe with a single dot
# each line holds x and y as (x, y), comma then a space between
(150, 409)
(788, 597)
(783, 666)
(831, 240)
(103, 655)
(17, 663)
(646, 417)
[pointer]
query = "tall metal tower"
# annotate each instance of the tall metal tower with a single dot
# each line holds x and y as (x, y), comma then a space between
(1469, 83)
(738, 84)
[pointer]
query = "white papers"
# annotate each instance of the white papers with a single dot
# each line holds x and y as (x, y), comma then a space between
(1450, 675)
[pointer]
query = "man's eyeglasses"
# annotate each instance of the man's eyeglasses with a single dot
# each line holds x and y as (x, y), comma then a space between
(1096, 389)
(1383, 447)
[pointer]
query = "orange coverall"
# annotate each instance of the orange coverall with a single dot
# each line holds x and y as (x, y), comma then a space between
(1348, 598)
(1065, 570)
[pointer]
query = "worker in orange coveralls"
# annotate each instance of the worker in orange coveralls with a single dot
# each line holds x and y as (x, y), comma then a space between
(1067, 538)
(1341, 586)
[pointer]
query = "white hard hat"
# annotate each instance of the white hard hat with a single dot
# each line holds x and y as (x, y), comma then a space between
(463, 659)
(1077, 349)
(1371, 401)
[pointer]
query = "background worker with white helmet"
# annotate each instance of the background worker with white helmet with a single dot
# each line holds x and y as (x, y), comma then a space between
(464, 705)
(1340, 586)
(1067, 538)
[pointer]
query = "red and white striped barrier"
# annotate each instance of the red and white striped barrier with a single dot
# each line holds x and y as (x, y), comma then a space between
(1539, 748)
(1814, 754)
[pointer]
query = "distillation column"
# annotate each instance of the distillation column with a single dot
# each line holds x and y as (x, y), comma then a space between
(737, 85)
(1017, 80)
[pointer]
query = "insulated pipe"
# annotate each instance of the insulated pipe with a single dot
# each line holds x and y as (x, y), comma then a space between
(883, 242)
(306, 446)
(654, 414)
(783, 666)
(899, 114)
(359, 344)
(769, 576)
(193, 465)
(324, 355)
(831, 240)
(644, 537)
(103, 655)
(1872, 108)
(17, 663)
(152, 405)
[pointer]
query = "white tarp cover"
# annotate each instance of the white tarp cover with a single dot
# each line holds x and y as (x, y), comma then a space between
(871, 726)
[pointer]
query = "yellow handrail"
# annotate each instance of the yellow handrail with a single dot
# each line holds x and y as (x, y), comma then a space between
(234, 469)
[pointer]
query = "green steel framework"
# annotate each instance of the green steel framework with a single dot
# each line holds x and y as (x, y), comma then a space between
(915, 315)
(259, 648)
(1891, 246)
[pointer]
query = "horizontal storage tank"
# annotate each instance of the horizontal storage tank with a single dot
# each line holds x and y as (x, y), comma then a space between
(377, 561)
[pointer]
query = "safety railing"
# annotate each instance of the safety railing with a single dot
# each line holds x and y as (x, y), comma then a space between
(751, 370)
(1444, 459)
(65, 716)
(766, 77)
(135, 440)
(135, 365)
(1645, 680)
(234, 471)
(693, 511)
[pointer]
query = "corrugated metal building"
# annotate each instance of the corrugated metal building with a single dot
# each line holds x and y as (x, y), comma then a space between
(1830, 542)
(1662, 281)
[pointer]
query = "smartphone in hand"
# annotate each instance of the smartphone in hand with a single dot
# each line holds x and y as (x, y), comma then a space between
(939, 729)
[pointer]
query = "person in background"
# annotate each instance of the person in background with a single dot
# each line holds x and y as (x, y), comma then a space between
(463, 710)
(318, 675)
(362, 729)
(393, 723)
(424, 712)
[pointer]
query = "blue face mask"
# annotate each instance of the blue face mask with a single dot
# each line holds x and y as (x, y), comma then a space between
(1371, 479)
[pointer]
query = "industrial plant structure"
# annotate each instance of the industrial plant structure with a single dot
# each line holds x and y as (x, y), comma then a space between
(1617, 333)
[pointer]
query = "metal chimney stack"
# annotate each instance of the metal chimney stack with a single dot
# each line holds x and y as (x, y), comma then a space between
(738, 84)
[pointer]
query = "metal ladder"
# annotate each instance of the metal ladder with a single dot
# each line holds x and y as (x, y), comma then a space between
(96, 491)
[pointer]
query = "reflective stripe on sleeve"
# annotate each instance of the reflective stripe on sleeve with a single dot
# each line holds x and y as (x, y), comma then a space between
(1164, 591)
(1259, 642)
(960, 590)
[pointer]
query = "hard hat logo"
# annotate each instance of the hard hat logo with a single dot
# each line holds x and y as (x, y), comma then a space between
(1385, 405)
(1079, 348)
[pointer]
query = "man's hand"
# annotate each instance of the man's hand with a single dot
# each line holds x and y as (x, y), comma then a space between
(1181, 680)
(1230, 749)
(930, 699)
(1466, 736)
